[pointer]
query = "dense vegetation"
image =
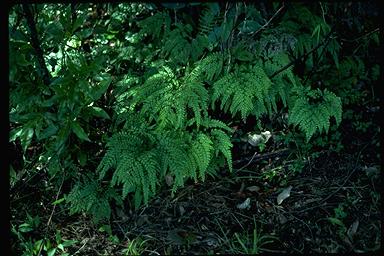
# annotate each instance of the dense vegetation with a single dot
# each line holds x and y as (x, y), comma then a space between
(120, 109)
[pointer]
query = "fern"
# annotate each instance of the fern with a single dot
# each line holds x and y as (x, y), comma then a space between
(282, 82)
(312, 116)
(133, 168)
(167, 99)
(90, 197)
(208, 18)
(244, 90)
(223, 144)
(153, 25)
(207, 69)
(201, 150)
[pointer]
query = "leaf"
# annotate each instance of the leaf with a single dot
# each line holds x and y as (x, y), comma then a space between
(76, 128)
(61, 247)
(105, 81)
(284, 195)
(353, 229)
(256, 139)
(25, 227)
(58, 201)
(336, 221)
(82, 158)
(169, 179)
(173, 5)
(48, 132)
(99, 112)
(245, 204)
(26, 138)
(253, 188)
(51, 252)
(15, 133)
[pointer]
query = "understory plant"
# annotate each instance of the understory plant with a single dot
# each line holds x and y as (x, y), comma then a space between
(144, 94)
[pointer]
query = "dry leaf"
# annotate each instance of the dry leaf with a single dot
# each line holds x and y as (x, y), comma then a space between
(253, 188)
(245, 204)
(182, 210)
(353, 229)
(256, 139)
(284, 195)
(169, 179)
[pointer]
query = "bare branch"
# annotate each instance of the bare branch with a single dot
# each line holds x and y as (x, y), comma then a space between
(36, 45)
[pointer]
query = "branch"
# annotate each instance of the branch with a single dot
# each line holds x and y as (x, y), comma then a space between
(256, 158)
(317, 61)
(36, 45)
(269, 21)
(360, 37)
(305, 55)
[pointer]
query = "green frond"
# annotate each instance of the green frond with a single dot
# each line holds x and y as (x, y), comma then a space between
(208, 18)
(311, 117)
(223, 144)
(242, 90)
(88, 195)
(208, 68)
(202, 152)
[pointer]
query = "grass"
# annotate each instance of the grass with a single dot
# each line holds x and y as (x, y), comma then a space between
(245, 243)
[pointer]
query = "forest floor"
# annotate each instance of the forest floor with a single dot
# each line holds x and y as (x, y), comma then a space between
(333, 206)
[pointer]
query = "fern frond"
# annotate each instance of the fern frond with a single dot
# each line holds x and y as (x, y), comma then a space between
(90, 196)
(315, 116)
(153, 24)
(223, 144)
(208, 68)
(202, 152)
(208, 18)
(243, 91)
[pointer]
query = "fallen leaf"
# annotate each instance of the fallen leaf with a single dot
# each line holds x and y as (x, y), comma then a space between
(284, 195)
(182, 210)
(253, 188)
(353, 229)
(282, 219)
(169, 180)
(245, 204)
(256, 139)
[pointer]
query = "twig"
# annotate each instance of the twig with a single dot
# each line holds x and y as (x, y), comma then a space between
(362, 36)
(36, 45)
(269, 21)
(51, 215)
(318, 59)
(346, 179)
(248, 162)
(81, 247)
(255, 158)
(302, 56)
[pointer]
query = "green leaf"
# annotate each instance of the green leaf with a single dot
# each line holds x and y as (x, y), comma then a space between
(67, 243)
(61, 247)
(25, 227)
(58, 201)
(82, 158)
(76, 128)
(99, 112)
(336, 221)
(15, 133)
(105, 81)
(48, 132)
(26, 138)
(51, 252)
